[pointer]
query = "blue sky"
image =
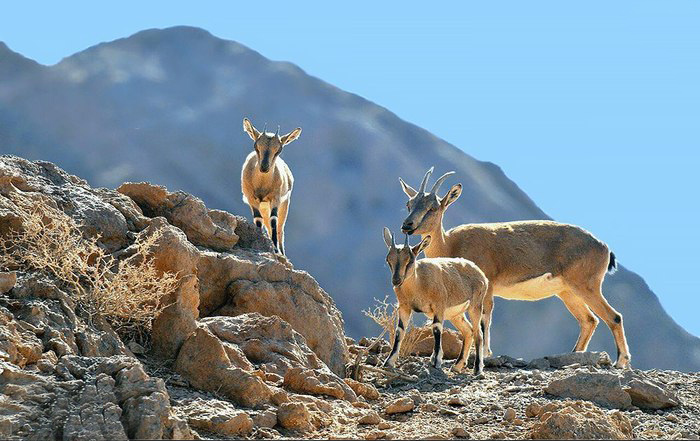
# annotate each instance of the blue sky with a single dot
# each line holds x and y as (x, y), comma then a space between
(593, 108)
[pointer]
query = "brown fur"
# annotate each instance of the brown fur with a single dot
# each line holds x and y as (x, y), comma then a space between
(267, 181)
(441, 288)
(525, 260)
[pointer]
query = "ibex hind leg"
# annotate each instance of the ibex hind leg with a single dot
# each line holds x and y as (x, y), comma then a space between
(463, 325)
(586, 320)
(590, 291)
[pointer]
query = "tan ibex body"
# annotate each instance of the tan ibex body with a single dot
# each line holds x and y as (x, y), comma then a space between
(524, 260)
(267, 181)
(441, 288)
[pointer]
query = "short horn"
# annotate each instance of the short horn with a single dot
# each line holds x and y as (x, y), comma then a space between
(425, 180)
(405, 243)
(278, 131)
(440, 180)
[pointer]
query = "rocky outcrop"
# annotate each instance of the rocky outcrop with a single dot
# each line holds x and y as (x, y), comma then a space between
(614, 390)
(213, 229)
(86, 382)
(65, 378)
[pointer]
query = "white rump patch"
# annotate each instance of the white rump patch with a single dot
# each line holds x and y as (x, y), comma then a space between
(536, 288)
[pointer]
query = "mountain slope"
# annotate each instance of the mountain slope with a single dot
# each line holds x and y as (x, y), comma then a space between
(166, 106)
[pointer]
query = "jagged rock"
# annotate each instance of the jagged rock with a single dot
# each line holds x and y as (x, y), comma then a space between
(539, 363)
(269, 343)
(370, 418)
(217, 416)
(451, 343)
(366, 390)
(265, 418)
(400, 405)
(213, 229)
(177, 320)
(272, 288)
(203, 361)
(317, 382)
(580, 420)
(647, 394)
(581, 358)
(7, 281)
(611, 390)
(295, 416)
(602, 388)
(105, 398)
(17, 345)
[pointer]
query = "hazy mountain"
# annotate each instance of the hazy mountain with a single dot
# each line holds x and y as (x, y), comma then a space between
(166, 106)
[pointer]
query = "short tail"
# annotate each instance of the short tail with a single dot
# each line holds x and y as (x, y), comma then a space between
(612, 266)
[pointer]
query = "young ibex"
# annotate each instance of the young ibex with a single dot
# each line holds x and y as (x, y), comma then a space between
(267, 182)
(525, 260)
(442, 289)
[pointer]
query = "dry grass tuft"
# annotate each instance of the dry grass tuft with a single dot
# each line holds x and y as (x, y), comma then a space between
(125, 292)
(385, 314)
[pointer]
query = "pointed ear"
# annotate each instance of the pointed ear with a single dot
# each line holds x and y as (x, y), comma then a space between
(410, 191)
(421, 246)
(291, 136)
(451, 195)
(250, 130)
(388, 239)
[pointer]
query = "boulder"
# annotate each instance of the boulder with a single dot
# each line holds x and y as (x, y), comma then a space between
(400, 405)
(601, 388)
(213, 229)
(317, 382)
(234, 284)
(613, 390)
(295, 416)
(217, 416)
(202, 359)
(646, 393)
(580, 420)
(366, 390)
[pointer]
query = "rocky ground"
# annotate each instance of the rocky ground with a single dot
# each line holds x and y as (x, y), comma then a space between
(248, 347)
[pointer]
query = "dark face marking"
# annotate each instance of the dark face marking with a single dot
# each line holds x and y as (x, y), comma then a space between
(268, 147)
(400, 260)
(423, 211)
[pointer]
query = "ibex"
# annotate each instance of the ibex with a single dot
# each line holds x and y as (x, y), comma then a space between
(267, 182)
(442, 289)
(525, 260)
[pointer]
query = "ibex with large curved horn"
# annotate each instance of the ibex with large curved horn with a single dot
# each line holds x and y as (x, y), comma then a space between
(267, 182)
(524, 260)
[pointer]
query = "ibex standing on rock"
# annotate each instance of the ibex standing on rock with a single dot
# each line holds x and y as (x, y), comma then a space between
(525, 260)
(267, 182)
(441, 288)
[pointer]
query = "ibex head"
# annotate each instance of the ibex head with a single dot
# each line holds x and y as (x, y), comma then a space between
(267, 145)
(425, 209)
(402, 258)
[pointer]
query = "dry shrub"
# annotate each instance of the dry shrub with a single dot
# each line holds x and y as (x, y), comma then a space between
(125, 292)
(385, 314)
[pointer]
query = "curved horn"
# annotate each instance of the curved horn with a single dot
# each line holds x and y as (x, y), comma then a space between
(264, 129)
(425, 180)
(278, 131)
(440, 180)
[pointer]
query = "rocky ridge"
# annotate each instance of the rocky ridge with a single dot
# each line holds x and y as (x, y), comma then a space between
(247, 346)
